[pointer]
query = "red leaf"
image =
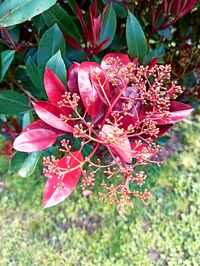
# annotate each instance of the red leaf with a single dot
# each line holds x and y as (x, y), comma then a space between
(178, 111)
(100, 47)
(101, 84)
(121, 147)
(88, 92)
(72, 81)
(58, 189)
(141, 151)
(122, 57)
(50, 114)
(39, 124)
(153, 62)
(53, 86)
(163, 129)
(83, 25)
(188, 6)
(34, 140)
(72, 78)
(93, 9)
(135, 113)
(74, 44)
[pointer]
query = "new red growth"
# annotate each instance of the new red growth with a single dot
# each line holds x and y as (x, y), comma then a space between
(117, 106)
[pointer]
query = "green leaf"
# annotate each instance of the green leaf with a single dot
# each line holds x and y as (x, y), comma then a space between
(108, 31)
(72, 4)
(39, 22)
(13, 103)
(6, 58)
(24, 164)
(57, 65)
(51, 42)
(17, 11)
(86, 150)
(58, 15)
(120, 10)
(34, 74)
(76, 55)
(136, 41)
(27, 119)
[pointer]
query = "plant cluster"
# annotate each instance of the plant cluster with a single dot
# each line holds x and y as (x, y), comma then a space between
(118, 63)
(118, 105)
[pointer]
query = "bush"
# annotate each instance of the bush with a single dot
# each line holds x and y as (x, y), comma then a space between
(115, 106)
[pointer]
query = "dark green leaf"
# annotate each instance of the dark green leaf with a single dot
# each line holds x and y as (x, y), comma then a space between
(39, 22)
(86, 150)
(13, 103)
(58, 15)
(36, 76)
(17, 11)
(72, 4)
(57, 65)
(24, 164)
(76, 55)
(51, 42)
(120, 9)
(184, 26)
(136, 41)
(108, 31)
(14, 32)
(6, 58)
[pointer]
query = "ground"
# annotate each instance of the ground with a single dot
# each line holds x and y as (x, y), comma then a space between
(82, 231)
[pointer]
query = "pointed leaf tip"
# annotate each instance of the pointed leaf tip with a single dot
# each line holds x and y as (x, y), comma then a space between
(53, 86)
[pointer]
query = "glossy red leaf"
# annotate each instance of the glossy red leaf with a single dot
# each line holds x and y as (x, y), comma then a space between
(53, 86)
(121, 147)
(34, 140)
(135, 113)
(72, 78)
(88, 92)
(178, 111)
(39, 124)
(58, 189)
(101, 84)
(122, 57)
(72, 81)
(50, 114)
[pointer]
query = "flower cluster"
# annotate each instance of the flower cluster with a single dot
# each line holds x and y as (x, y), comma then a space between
(119, 108)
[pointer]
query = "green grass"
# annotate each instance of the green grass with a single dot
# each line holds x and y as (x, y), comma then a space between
(82, 231)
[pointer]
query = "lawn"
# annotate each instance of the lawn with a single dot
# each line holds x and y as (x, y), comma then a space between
(83, 231)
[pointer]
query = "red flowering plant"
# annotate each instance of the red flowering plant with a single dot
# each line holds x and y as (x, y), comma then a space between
(119, 105)
(102, 74)
(91, 33)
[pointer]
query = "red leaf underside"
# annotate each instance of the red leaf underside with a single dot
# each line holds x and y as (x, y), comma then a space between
(34, 140)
